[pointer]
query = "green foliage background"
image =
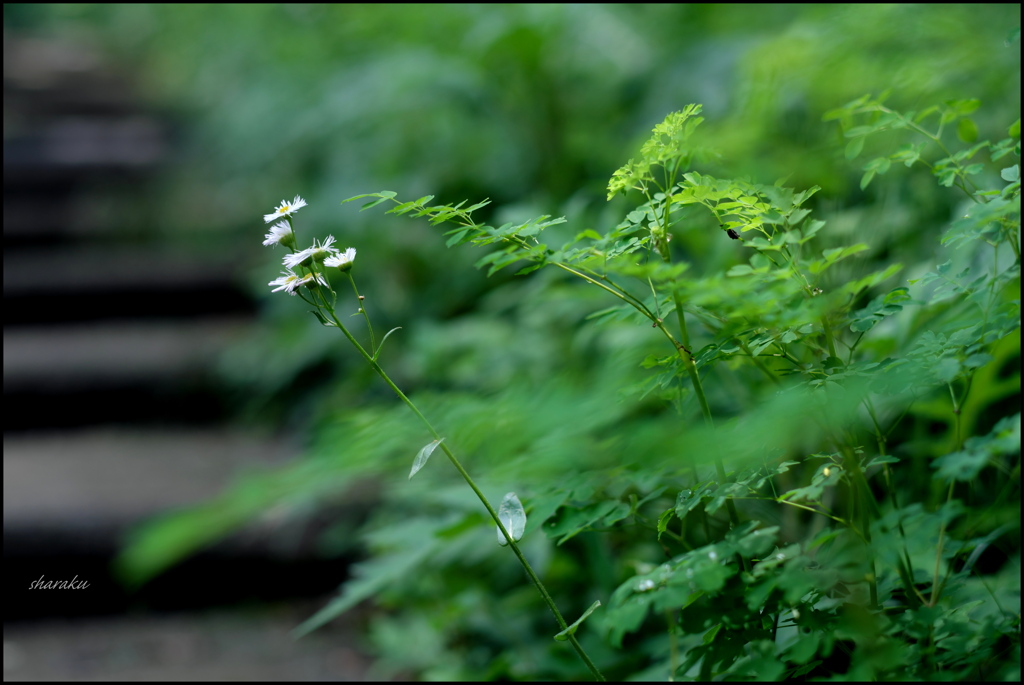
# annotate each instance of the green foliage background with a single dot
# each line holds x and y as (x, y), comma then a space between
(534, 107)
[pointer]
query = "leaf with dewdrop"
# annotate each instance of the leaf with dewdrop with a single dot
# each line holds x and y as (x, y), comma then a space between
(421, 458)
(513, 517)
(571, 630)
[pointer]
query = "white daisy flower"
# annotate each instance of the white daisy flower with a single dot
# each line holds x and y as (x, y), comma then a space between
(342, 260)
(311, 280)
(285, 209)
(280, 234)
(317, 253)
(290, 282)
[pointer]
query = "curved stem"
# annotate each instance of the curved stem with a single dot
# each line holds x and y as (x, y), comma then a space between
(480, 495)
(685, 346)
(759, 364)
(362, 308)
(691, 367)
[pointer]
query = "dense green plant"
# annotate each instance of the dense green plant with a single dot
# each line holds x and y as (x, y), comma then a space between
(530, 105)
(849, 505)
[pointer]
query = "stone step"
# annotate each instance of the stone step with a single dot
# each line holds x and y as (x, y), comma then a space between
(116, 372)
(212, 645)
(70, 497)
(91, 282)
(92, 355)
(97, 476)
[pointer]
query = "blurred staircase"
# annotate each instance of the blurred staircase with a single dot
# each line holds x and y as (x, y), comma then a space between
(112, 411)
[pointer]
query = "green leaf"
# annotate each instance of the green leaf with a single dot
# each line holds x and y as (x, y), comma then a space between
(967, 131)
(571, 630)
(866, 179)
(740, 270)
(381, 345)
(810, 230)
(975, 361)
(421, 459)
(881, 459)
(382, 196)
(966, 464)
(457, 236)
(879, 308)
(838, 253)
(804, 649)
(373, 575)
(589, 233)
(321, 318)
(664, 520)
(855, 287)
(962, 108)
(750, 542)
(402, 208)
(946, 369)
(908, 154)
(513, 517)
(689, 499)
(385, 194)
(834, 255)
(879, 165)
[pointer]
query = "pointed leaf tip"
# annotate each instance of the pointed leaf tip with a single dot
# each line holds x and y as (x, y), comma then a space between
(571, 630)
(421, 458)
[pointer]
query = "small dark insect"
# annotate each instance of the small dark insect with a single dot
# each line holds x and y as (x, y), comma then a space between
(733, 234)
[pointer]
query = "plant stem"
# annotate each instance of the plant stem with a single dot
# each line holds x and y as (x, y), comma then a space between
(860, 500)
(362, 308)
(685, 349)
(828, 337)
(480, 495)
(938, 552)
(887, 472)
(957, 404)
(691, 366)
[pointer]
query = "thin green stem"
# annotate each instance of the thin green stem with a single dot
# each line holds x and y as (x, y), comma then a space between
(957, 404)
(759, 364)
(862, 505)
(938, 552)
(483, 499)
(887, 472)
(691, 369)
(826, 514)
(686, 346)
(362, 308)
(616, 290)
(829, 340)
